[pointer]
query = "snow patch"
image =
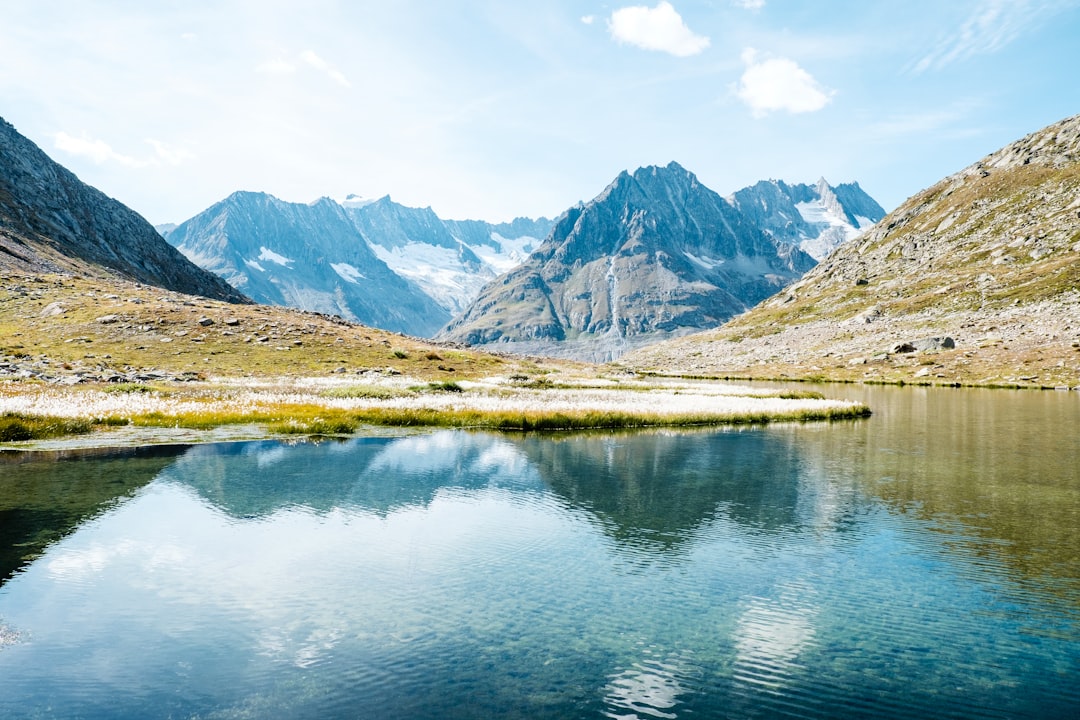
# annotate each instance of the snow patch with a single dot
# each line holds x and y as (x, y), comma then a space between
(353, 200)
(512, 251)
(270, 256)
(704, 261)
(438, 271)
(254, 265)
(348, 273)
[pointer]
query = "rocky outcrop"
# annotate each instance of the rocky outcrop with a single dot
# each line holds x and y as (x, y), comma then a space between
(50, 221)
(989, 257)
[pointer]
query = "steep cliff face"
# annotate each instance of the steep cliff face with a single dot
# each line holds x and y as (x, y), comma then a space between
(310, 257)
(988, 257)
(50, 221)
(656, 254)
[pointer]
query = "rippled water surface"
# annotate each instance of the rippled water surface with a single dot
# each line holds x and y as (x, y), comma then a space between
(922, 563)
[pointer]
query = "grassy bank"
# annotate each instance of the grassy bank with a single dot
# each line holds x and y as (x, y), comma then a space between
(309, 407)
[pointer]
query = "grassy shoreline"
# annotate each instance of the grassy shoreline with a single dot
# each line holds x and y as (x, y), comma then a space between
(323, 406)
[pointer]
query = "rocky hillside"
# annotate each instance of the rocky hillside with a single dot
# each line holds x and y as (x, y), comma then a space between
(304, 256)
(974, 280)
(50, 221)
(656, 255)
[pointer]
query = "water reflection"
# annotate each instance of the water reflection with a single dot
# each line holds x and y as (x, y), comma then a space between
(46, 495)
(653, 687)
(997, 471)
(252, 480)
(462, 575)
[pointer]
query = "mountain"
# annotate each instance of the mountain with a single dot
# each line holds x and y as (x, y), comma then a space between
(656, 254)
(974, 280)
(50, 221)
(310, 257)
(817, 218)
(450, 260)
(341, 255)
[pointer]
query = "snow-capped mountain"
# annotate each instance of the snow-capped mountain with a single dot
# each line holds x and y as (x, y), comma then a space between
(816, 218)
(449, 259)
(309, 256)
(374, 261)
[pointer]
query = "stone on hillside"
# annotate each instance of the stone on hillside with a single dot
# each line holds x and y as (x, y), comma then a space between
(931, 343)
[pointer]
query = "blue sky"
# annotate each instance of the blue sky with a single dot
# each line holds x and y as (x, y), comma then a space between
(491, 110)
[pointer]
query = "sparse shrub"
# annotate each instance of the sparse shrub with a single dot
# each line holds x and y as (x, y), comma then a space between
(401, 354)
(129, 388)
(433, 356)
(445, 386)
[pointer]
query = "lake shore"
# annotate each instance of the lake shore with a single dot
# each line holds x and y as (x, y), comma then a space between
(222, 409)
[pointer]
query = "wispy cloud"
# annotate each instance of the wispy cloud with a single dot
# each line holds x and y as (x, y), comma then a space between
(96, 150)
(991, 26)
(588, 19)
(749, 4)
(101, 153)
(286, 66)
(170, 154)
(321, 65)
(660, 28)
(773, 84)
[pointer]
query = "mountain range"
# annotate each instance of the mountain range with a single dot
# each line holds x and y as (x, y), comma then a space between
(657, 255)
(973, 280)
(341, 258)
(376, 262)
(50, 221)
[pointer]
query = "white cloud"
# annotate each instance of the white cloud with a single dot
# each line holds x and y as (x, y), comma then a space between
(170, 154)
(993, 25)
(318, 63)
(749, 4)
(101, 153)
(97, 150)
(770, 84)
(659, 28)
(588, 19)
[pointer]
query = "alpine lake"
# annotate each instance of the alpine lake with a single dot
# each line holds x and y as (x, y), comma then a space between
(923, 562)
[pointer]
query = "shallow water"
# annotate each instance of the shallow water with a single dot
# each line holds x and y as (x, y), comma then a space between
(922, 563)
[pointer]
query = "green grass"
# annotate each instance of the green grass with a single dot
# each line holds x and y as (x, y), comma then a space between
(317, 420)
(15, 427)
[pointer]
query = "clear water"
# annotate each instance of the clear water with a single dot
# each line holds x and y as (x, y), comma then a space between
(922, 563)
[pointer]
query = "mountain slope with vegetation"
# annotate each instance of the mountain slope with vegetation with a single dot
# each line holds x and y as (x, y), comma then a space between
(974, 280)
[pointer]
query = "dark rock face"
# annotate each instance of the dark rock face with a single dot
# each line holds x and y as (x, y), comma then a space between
(656, 254)
(50, 221)
(310, 257)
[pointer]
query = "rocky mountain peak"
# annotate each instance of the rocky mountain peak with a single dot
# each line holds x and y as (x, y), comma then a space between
(655, 254)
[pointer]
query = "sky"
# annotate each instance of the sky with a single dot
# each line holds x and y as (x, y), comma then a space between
(488, 109)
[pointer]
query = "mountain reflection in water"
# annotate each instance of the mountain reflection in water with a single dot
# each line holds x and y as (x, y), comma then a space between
(920, 563)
